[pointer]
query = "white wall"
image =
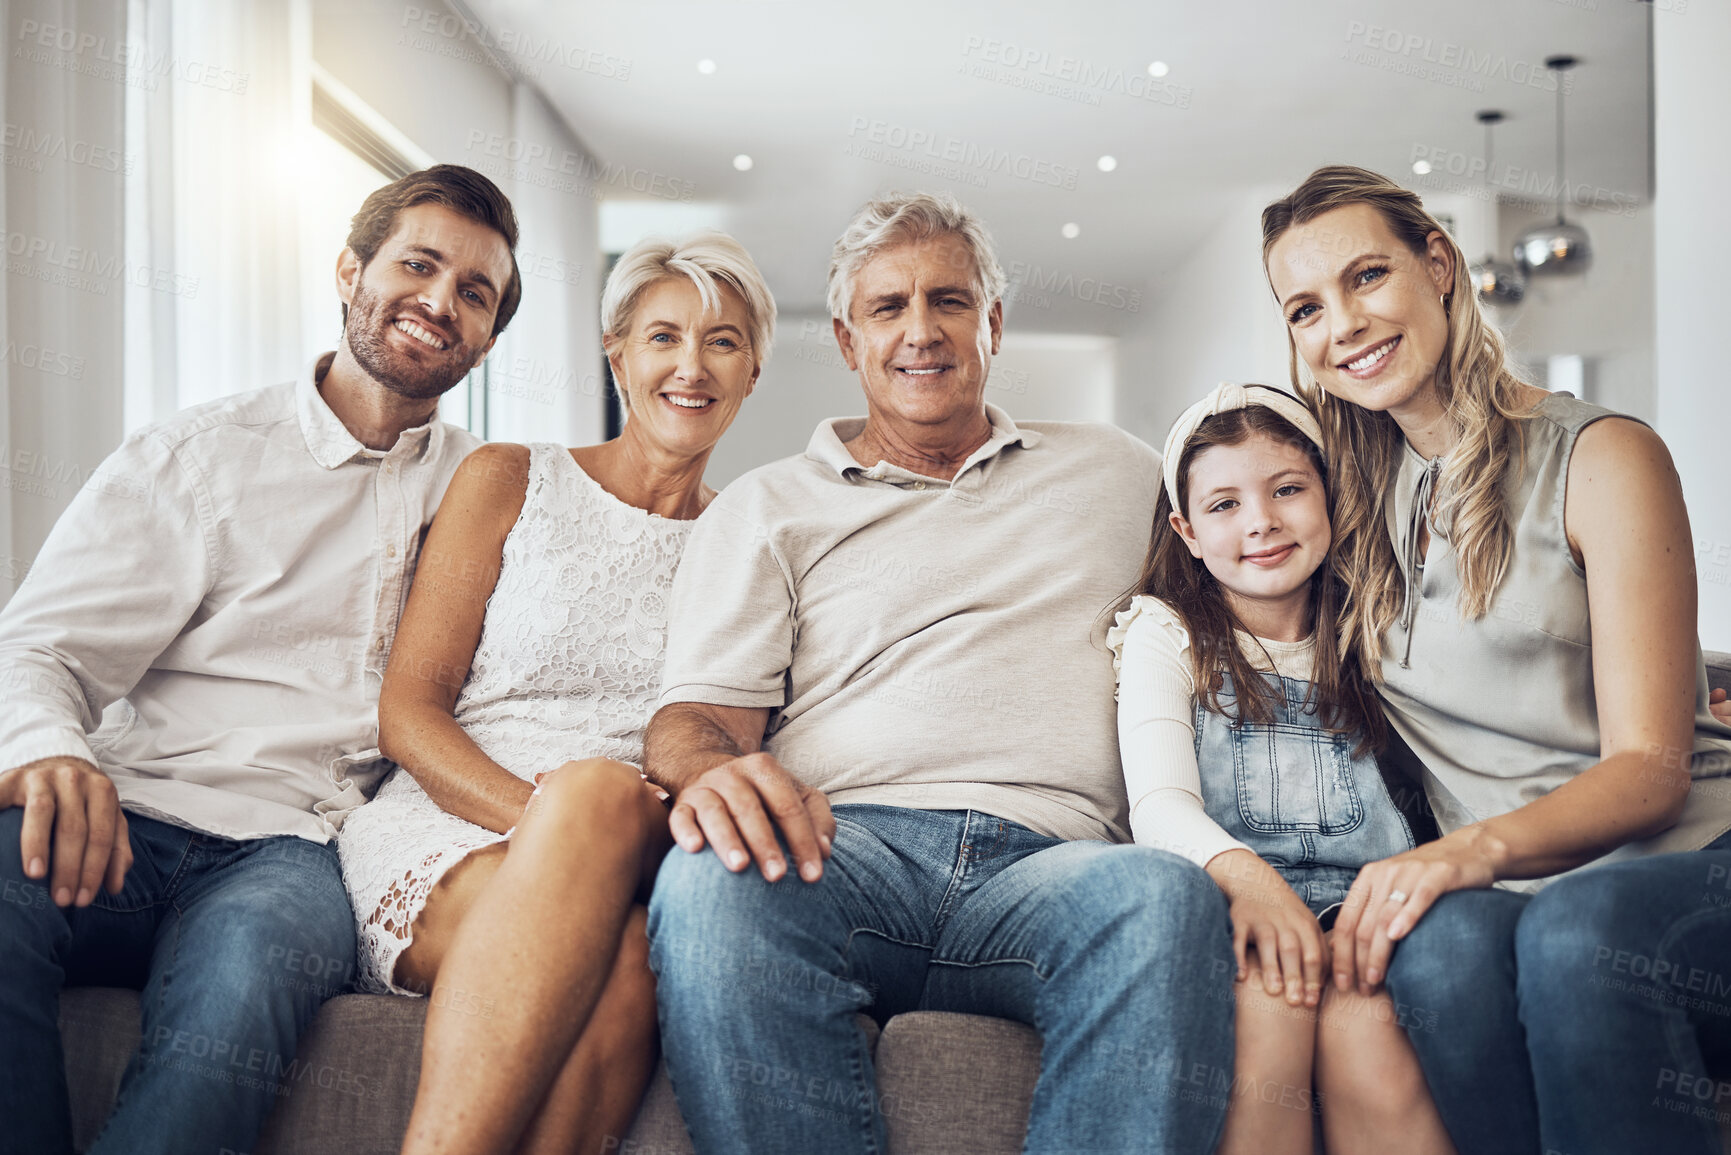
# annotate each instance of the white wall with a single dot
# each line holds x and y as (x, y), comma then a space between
(1054, 376)
(1212, 320)
(1605, 314)
(1035, 376)
(434, 88)
(1692, 295)
(544, 378)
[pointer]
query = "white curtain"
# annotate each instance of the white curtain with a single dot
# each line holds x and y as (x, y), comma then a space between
(212, 206)
(60, 300)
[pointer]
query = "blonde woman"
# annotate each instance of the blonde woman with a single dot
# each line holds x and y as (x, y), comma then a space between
(1520, 583)
(502, 870)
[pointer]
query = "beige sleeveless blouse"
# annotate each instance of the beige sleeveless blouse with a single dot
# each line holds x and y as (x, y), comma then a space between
(1501, 711)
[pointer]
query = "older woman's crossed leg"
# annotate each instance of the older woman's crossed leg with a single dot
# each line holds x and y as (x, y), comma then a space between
(541, 1033)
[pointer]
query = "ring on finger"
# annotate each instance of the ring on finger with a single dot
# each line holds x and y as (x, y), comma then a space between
(1397, 896)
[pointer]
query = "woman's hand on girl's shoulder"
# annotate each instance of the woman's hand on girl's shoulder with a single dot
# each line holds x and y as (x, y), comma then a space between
(1266, 913)
(1389, 897)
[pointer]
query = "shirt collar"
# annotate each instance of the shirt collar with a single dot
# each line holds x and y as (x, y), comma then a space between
(329, 440)
(828, 442)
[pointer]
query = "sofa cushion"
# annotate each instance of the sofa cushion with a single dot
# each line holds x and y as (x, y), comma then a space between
(99, 1033)
(659, 1129)
(949, 1082)
(347, 1092)
(353, 1076)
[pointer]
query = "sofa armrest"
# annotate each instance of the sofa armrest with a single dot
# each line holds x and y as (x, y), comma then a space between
(1718, 669)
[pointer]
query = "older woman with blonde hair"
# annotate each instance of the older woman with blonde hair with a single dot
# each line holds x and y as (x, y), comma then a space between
(502, 870)
(1522, 591)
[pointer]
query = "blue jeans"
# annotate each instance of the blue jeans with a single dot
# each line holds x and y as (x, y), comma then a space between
(1581, 1019)
(234, 944)
(1120, 956)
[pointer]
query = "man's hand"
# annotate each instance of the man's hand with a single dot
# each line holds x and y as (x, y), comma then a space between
(72, 810)
(736, 807)
(1719, 707)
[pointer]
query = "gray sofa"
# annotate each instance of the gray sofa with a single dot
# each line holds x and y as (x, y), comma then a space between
(946, 1083)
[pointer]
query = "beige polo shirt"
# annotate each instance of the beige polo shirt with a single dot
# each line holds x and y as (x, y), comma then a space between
(927, 643)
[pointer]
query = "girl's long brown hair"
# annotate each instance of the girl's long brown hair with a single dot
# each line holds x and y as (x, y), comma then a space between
(1339, 694)
(1475, 383)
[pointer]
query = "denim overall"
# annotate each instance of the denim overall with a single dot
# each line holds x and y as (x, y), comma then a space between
(1293, 792)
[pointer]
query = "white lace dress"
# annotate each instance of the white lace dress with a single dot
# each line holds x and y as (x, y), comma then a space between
(568, 666)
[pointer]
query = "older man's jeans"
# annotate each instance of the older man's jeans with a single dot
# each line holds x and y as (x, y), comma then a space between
(1583, 1019)
(1120, 956)
(235, 945)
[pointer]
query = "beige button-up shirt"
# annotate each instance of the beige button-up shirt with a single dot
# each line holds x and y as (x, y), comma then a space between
(209, 620)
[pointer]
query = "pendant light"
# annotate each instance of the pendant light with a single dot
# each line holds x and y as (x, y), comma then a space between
(1559, 249)
(1499, 282)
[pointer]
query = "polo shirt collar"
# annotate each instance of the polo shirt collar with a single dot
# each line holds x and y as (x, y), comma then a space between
(329, 440)
(828, 442)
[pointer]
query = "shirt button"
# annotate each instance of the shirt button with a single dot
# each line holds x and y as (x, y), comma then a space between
(919, 485)
(390, 551)
(390, 467)
(379, 643)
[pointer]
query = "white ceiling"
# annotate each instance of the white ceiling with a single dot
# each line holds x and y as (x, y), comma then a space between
(1257, 95)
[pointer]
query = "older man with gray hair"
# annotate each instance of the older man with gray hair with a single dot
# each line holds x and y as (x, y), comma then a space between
(882, 670)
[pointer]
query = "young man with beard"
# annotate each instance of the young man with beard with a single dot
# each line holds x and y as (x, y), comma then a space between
(188, 683)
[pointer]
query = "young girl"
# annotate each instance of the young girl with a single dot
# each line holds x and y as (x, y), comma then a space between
(1249, 747)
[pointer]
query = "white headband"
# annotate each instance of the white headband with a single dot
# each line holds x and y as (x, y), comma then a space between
(1224, 398)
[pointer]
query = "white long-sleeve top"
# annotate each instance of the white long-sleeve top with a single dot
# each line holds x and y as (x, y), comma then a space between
(221, 597)
(1157, 725)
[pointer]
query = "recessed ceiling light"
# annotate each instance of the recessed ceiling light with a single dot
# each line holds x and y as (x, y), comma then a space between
(1158, 68)
(1071, 231)
(706, 66)
(742, 163)
(1107, 163)
(1421, 167)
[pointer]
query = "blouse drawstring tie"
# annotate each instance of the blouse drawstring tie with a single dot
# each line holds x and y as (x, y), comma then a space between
(1413, 562)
